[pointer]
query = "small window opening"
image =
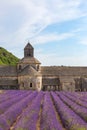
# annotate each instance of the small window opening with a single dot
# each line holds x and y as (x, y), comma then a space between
(30, 84)
(38, 67)
(28, 54)
(20, 67)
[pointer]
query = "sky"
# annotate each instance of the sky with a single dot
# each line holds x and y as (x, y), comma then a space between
(57, 29)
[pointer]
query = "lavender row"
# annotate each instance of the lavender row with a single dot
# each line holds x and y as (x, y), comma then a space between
(48, 118)
(80, 110)
(76, 99)
(78, 95)
(69, 118)
(9, 94)
(8, 103)
(12, 113)
(29, 118)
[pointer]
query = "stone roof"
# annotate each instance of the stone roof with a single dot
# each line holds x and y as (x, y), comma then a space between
(28, 70)
(29, 46)
(8, 71)
(29, 60)
(8, 82)
(48, 81)
(63, 71)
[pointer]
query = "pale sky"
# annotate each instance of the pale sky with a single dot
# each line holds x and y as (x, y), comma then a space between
(57, 29)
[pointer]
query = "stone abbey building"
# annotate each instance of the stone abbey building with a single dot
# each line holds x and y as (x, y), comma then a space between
(29, 74)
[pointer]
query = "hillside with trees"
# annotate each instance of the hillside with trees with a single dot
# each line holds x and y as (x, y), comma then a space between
(7, 58)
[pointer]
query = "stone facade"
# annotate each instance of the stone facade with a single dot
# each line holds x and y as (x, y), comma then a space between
(29, 74)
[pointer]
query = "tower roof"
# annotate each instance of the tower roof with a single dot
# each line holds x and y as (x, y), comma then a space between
(28, 46)
(29, 60)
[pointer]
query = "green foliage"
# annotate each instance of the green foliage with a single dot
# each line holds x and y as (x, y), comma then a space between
(77, 127)
(81, 129)
(7, 58)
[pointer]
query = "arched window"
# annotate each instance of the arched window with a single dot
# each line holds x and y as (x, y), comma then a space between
(30, 84)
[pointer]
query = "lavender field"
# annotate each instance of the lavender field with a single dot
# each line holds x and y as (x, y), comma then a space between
(32, 110)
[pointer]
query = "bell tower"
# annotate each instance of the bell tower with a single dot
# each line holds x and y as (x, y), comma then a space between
(28, 51)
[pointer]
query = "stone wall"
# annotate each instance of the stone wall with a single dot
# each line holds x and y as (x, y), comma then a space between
(50, 83)
(81, 84)
(30, 83)
(58, 78)
(9, 83)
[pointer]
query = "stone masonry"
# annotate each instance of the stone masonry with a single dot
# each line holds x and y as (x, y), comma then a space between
(30, 75)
